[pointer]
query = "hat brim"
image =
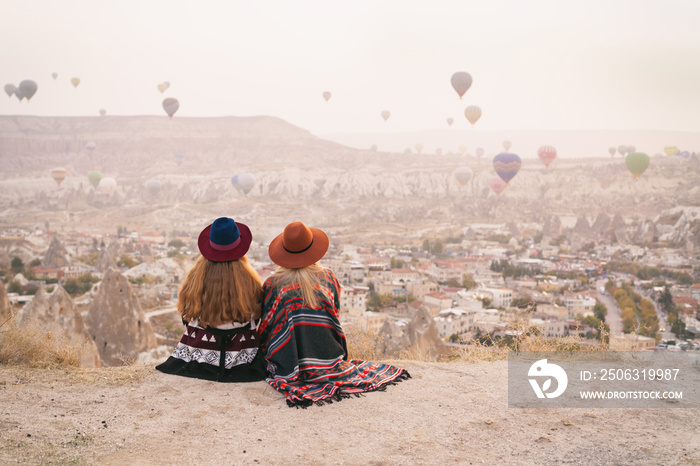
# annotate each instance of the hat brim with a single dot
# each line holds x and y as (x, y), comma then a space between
(290, 260)
(224, 256)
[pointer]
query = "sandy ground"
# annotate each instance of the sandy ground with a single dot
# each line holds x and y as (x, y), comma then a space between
(446, 414)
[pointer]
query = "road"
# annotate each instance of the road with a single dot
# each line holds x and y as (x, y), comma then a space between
(613, 319)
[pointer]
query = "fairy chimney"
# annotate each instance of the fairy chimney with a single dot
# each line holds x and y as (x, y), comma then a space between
(56, 256)
(104, 261)
(117, 322)
(56, 313)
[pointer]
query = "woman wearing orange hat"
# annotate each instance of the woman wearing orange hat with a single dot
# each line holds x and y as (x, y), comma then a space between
(220, 305)
(300, 332)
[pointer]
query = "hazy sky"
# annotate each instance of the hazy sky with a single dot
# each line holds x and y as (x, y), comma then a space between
(610, 64)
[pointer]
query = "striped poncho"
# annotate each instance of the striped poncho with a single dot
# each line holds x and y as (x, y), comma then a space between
(306, 349)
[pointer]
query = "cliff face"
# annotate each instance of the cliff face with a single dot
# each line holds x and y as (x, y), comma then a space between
(57, 313)
(117, 322)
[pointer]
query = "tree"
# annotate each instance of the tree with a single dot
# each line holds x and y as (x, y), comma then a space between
(600, 311)
(176, 243)
(666, 300)
(468, 281)
(17, 266)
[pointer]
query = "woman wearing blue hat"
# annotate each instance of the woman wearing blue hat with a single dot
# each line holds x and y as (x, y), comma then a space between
(220, 302)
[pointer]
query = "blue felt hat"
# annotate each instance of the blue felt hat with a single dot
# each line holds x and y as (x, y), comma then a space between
(224, 240)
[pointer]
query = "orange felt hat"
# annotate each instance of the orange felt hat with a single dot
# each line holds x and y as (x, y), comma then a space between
(298, 246)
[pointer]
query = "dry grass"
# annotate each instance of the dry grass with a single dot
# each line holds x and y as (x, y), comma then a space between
(32, 347)
(362, 344)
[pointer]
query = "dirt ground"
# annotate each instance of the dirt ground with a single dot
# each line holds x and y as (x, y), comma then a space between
(448, 413)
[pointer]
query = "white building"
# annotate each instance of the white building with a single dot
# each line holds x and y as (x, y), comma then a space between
(579, 305)
(454, 321)
(353, 299)
(500, 297)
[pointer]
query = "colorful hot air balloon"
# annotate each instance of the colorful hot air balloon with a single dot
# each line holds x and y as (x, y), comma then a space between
(243, 182)
(497, 184)
(94, 178)
(162, 87)
(28, 88)
(506, 165)
(90, 145)
(479, 152)
(9, 89)
(461, 82)
(54, 75)
(547, 154)
(671, 150)
(179, 158)
(473, 113)
(622, 150)
(612, 151)
(418, 147)
(103, 112)
(450, 121)
(58, 174)
(107, 186)
(170, 105)
(327, 96)
(506, 145)
(75, 82)
(463, 175)
(462, 150)
(153, 186)
(386, 114)
(637, 163)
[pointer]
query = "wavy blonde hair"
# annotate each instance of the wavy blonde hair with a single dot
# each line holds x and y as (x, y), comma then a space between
(308, 278)
(219, 293)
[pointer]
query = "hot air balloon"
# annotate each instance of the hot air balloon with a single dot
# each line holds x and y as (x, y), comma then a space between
(107, 185)
(386, 114)
(473, 113)
(327, 96)
(671, 150)
(94, 178)
(162, 87)
(90, 145)
(463, 175)
(479, 152)
(243, 182)
(631, 149)
(153, 186)
(9, 89)
(497, 184)
(58, 174)
(103, 112)
(461, 82)
(637, 163)
(170, 106)
(506, 165)
(547, 154)
(506, 145)
(54, 75)
(419, 147)
(450, 121)
(622, 150)
(685, 154)
(179, 158)
(612, 151)
(19, 94)
(462, 150)
(75, 82)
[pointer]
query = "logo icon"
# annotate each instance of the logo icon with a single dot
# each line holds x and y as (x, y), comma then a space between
(544, 369)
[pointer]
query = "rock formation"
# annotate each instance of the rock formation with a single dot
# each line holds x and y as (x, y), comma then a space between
(117, 322)
(582, 227)
(552, 226)
(423, 333)
(114, 247)
(5, 309)
(56, 313)
(392, 339)
(105, 262)
(56, 255)
(645, 232)
(601, 224)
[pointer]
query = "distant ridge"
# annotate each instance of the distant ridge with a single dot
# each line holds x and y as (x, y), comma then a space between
(137, 144)
(569, 143)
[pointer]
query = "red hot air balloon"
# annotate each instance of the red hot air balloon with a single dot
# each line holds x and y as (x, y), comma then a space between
(547, 154)
(497, 184)
(461, 82)
(327, 96)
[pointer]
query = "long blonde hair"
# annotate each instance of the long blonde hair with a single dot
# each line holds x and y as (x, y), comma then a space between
(308, 278)
(218, 293)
